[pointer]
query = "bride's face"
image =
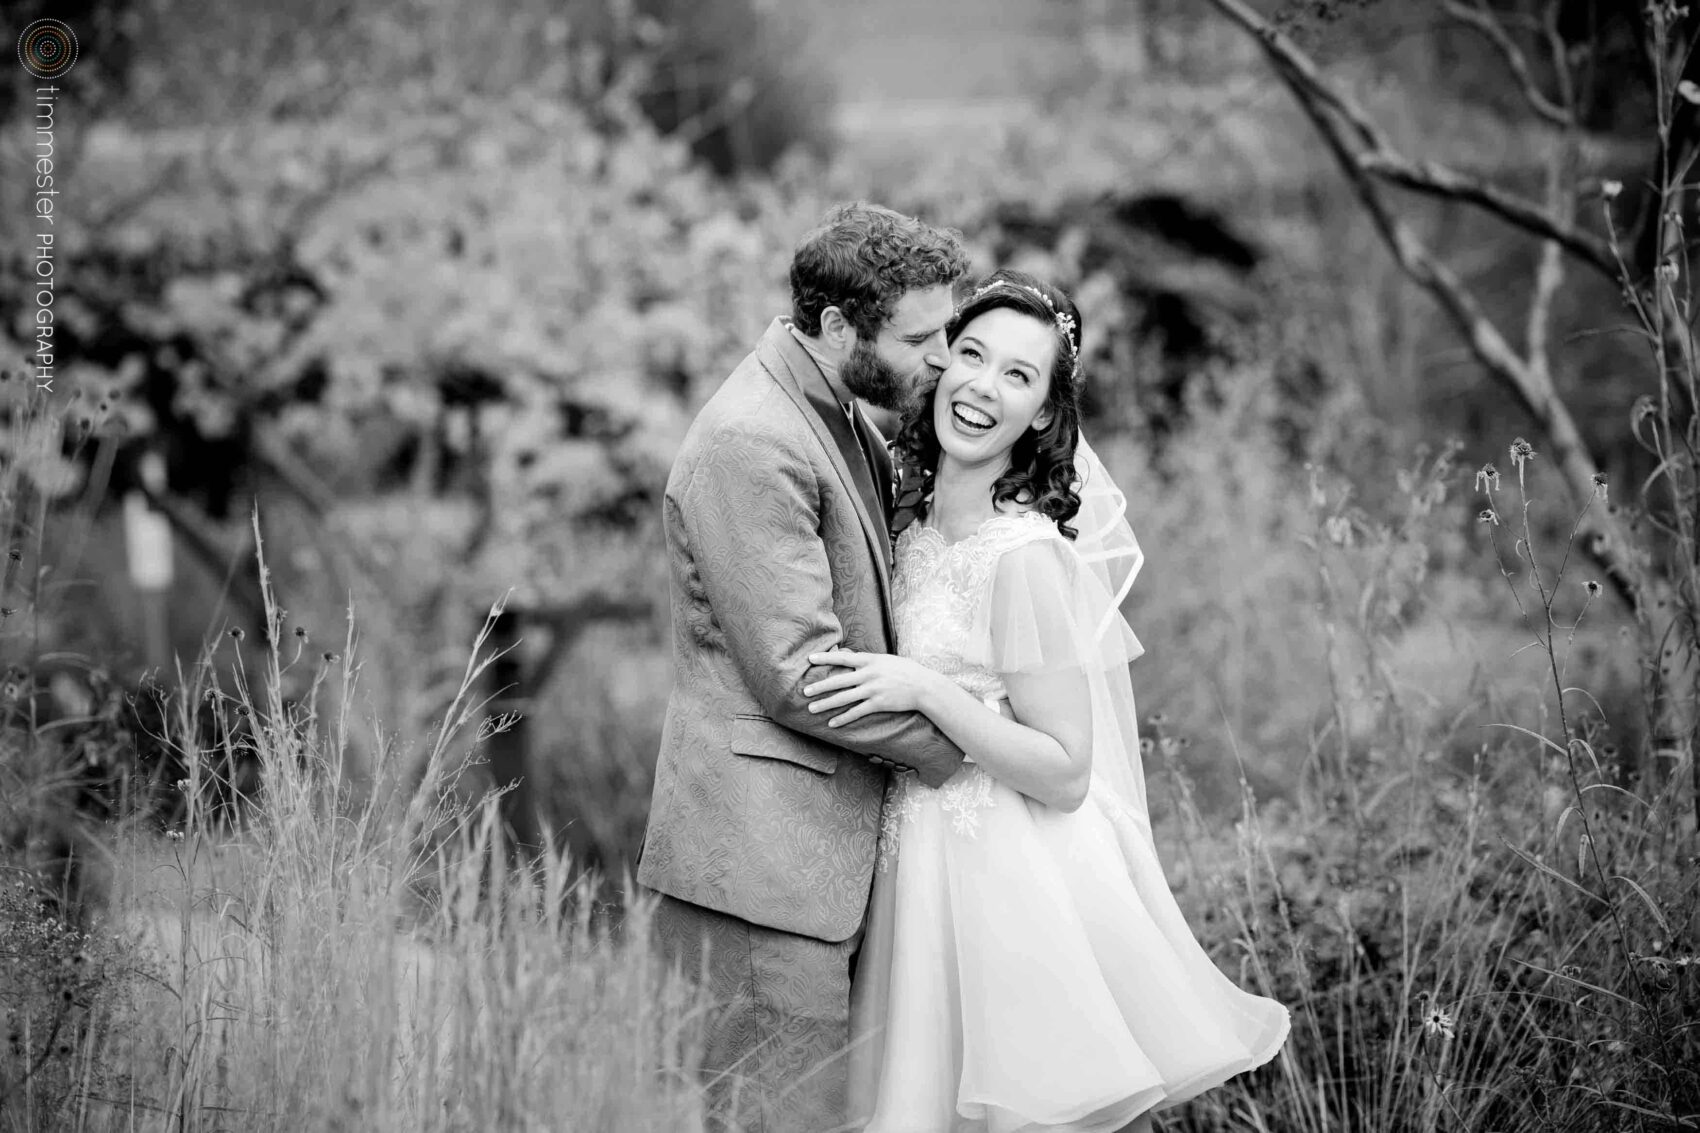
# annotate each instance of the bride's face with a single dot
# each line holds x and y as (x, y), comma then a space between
(996, 386)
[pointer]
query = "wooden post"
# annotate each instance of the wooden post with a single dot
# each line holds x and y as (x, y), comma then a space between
(147, 539)
(507, 750)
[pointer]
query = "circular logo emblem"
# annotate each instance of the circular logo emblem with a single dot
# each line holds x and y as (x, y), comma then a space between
(47, 48)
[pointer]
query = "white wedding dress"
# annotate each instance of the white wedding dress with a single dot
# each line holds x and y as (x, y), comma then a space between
(1024, 968)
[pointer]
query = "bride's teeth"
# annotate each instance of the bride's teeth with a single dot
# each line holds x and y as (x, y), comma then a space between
(973, 418)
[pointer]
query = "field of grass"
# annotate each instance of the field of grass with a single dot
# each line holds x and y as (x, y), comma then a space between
(1401, 770)
(1476, 928)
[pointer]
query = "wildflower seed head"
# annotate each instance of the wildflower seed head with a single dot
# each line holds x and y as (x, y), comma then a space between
(1521, 451)
(1488, 515)
(174, 835)
(236, 633)
(1592, 587)
(1611, 189)
(1487, 478)
(15, 555)
(1599, 481)
(301, 633)
(1668, 272)
(329, 657)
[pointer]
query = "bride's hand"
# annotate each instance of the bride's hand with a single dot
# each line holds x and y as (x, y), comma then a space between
(868, 683)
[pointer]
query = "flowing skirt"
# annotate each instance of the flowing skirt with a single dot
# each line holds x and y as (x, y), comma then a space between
(1027, 969)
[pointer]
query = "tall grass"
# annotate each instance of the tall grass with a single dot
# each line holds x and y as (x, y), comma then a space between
(1504, 940)
(333, 963)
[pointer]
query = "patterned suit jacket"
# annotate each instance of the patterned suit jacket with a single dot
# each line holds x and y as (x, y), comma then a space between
(778, 547)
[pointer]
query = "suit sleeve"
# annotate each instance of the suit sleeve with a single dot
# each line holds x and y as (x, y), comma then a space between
(750, 512)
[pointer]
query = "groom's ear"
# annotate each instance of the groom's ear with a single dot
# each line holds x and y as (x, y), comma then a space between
(835, 329)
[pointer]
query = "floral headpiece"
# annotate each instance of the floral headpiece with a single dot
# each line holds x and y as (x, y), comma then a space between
(1064, 321)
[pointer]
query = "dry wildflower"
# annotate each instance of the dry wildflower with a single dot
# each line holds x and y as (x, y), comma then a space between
(1488, 515)
(1598, 479)
(174, 835)
(7, 611)
(1438, 1021)
(1644, 408)
(1487, 478)
(1338, 529)
(236, 634)
(1521, 452)
(329, 657)
(1611, 189)
(1592, 587)
(15, 555)
(301, 633)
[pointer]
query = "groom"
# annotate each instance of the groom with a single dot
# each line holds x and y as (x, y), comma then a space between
(762, 828)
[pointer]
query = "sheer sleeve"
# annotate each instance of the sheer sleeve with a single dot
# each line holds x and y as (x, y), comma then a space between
(1046, 612)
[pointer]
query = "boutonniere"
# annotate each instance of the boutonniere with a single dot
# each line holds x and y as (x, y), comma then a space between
(910, 493)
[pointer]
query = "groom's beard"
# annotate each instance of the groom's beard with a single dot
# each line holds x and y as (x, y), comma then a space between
(875, 380)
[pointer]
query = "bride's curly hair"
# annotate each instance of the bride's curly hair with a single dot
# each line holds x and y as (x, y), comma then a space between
(1041, 473)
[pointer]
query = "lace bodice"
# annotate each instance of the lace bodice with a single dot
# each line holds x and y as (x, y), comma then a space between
(937, 589)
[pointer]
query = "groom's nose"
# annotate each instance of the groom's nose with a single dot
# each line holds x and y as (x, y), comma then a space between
(937, 351)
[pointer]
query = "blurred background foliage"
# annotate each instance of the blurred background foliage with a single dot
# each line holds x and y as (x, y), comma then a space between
(438, 284)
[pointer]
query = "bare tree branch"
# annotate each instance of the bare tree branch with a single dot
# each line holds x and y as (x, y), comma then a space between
(1531, 384)
(1439, 181)
(1368, 148)
(1479, 16)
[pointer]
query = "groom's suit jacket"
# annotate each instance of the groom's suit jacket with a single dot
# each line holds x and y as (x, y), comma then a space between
(777, 541)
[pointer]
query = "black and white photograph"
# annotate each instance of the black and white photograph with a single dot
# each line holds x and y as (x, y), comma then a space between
(795, 566)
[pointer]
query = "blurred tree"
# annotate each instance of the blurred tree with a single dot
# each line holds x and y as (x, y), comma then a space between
(431, 280)
(1568, 61)
(739, 80)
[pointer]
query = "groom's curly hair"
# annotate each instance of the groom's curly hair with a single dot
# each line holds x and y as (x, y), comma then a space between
(862, 259)
(1041, 463)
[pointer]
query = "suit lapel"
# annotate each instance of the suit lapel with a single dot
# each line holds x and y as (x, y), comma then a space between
(881, 458)
(797, 374)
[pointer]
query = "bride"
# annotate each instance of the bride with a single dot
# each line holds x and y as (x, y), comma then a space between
(1025, 965)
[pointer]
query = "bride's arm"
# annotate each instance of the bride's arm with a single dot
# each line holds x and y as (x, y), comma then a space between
(1045, 752)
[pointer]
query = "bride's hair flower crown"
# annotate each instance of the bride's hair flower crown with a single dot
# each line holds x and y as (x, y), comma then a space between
(1065, 321)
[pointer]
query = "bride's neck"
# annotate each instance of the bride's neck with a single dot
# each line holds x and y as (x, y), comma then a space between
(962, 497)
